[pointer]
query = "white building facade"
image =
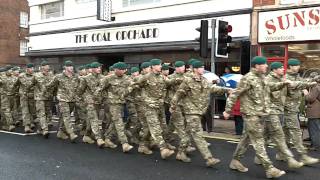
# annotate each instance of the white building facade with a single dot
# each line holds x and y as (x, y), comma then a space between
(140, 30)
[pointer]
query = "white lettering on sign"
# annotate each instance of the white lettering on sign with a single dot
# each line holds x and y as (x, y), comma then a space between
(290, 25)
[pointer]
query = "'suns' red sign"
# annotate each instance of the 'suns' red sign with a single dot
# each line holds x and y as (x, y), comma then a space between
(293, 20)
(289, 25)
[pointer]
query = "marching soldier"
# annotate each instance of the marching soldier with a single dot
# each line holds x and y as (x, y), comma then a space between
(255, 106)
(87, 88)
(291, 123)
(116, 85)
(66, 84)
(26, 91)
(194, 92)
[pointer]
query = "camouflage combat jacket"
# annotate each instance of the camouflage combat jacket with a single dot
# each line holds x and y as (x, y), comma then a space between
(254, 95)
(88, 87)
(294, 92)
(178, 77)
(154, 87)
(40, 81)
(26, 87)
(9, 84)
(66, 87)
(116, 87)
(195, 92)
(278, 93)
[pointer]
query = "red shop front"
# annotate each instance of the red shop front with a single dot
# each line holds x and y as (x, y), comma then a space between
(290, 33)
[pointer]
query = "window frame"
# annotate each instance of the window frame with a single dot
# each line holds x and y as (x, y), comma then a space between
(43, 11)
(23, 47)
(24, 19)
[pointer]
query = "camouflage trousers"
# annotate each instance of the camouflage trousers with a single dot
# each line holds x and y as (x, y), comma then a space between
(144, 130)
(178, 122)
(43, 109)
(66, 123)
(80, 113)
(196, 131)
(254, 133)
(155, 118)
(92, 121)
(272, 130)
(7, 104)
(28, 109)
(116, 111)
(133, 124)
(292, 131)
(16, 109)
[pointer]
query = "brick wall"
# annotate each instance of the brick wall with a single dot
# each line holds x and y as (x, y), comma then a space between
(10, 31)
(263, 2)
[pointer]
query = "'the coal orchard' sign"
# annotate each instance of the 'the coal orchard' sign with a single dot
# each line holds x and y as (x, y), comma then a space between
(289, 25)
(116, 35)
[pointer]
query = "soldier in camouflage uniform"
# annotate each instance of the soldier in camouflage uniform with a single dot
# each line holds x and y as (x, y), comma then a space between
(66, 84)
(26, 91)
(140, 105)
(80, 110)
(272, 125)
(42, 98)
(2, 124)
(254, 97)
(194, 92)
(291, 123)
(116, 85)
(177, 120)
(16, 102)
(9, 85)
(133, 122)
(87, 87)
(153, 85)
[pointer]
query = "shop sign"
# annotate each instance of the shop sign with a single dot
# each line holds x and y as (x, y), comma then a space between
(289, 25)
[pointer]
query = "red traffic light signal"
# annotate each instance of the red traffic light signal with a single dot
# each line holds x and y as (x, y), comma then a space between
(223, 40)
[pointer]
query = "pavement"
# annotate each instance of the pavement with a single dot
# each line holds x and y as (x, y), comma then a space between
(25, 157)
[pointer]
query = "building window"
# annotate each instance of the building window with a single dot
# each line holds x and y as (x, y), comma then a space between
(23, 47)
(128, 3)
(24, 19)
(52, 10)
(85, 1)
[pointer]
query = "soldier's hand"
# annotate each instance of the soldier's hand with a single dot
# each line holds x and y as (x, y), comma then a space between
(172, 109)
(305, 92)
(313, 84)
(287, 82)
(226, 115)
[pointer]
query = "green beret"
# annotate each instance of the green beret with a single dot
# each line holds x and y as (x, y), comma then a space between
(197, 64)
(276, 65)
(111, 68)
(165, 67)
(120, 65)
(179, 64)
(95, 65)
(145, 65)
(30, 65)
(259, 60)
(294, 62)
(44, 63)
(155, 62)
(191, 61)
(134, 69)
(68, 63)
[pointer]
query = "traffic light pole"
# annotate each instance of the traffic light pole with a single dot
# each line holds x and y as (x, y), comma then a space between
(213, 40)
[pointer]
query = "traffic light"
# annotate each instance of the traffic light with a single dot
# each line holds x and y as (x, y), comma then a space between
(203, 29)
(223, 40)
